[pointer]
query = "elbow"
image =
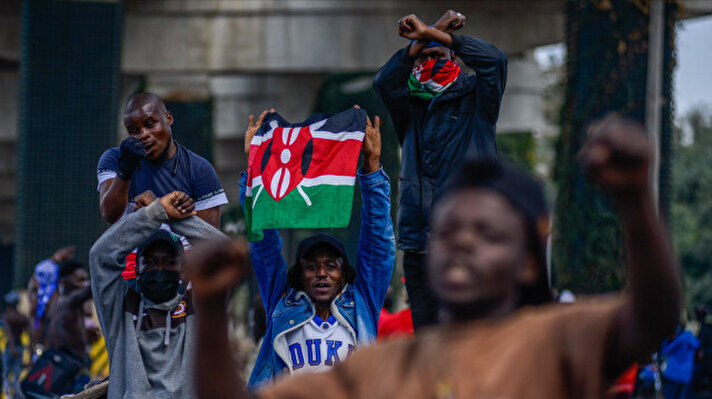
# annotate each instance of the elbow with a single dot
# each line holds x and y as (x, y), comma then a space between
(378, 83)
(501, 61)
(94, 254)
(110, 215)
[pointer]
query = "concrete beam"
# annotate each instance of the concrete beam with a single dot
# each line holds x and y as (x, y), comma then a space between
(309, 36)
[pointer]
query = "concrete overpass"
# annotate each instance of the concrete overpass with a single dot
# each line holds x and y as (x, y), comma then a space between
(247, 55)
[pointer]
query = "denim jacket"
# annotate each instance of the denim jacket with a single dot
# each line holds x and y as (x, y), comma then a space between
(357, 307)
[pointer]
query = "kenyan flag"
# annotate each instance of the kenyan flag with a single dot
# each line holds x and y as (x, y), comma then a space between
(302, 175)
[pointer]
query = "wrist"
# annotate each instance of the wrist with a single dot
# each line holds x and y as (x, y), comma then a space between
(213, 306)
(124, 174)
(436, 35)
(633, 199)
(156, 211)
(371, 164)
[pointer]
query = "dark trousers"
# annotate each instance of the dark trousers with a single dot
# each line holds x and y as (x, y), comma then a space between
(423, 304)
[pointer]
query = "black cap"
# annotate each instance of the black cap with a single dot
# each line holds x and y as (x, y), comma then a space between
(161, 236)
(321, 238)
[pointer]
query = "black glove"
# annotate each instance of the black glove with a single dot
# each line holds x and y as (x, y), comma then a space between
(132, 153)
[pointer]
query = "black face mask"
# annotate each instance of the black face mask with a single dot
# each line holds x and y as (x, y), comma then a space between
(159, 285)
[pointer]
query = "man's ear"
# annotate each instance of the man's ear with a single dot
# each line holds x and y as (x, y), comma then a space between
(529, 273)
(169, 118)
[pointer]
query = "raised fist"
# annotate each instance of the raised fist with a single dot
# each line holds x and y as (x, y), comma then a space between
(131, 152)
(412, 28)
(144, 199)
(616, 156)
(450, 21)
(178, 205)
(215, 266)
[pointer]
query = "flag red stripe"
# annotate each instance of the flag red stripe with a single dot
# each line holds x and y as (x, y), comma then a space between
(329, 157)
(334, 158)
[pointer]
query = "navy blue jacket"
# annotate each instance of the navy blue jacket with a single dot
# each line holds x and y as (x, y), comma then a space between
(438, 135)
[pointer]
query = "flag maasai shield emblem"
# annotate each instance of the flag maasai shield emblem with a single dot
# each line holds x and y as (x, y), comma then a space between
(302, 175)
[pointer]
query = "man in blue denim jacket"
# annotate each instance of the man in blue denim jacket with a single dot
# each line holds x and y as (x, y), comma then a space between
(319, 308)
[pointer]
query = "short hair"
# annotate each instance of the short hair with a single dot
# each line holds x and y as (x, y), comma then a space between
(143, 98)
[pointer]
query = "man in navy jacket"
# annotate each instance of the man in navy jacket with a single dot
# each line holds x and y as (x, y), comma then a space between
(442, 116)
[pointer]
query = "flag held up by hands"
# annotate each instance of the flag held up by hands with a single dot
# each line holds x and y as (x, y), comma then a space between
(302, 175)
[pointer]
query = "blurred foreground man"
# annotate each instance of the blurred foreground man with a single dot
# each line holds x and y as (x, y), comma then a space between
(486, 263)
(149, 331)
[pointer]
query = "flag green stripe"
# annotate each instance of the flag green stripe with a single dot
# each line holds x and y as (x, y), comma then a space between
(331, 207)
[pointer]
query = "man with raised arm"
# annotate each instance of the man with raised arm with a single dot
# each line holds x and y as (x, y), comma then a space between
(487, 267)
(151, 159)
(321, 306)
(442, 117)
(149, 329)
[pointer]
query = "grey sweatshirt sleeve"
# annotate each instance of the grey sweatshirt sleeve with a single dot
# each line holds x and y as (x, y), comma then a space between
(107, 261)
(195, 228)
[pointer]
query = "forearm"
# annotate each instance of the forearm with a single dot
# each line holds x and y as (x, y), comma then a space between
(196, 228)
(113, 202)
(216, 374)
(433, 34)
(654, 291)
(376, 241)
(415, 48)
(211, 215)
(478, 54)
(371, 164)
(78, 297)
(122, 237)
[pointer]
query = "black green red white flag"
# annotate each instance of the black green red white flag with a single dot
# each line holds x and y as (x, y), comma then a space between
(302, 175)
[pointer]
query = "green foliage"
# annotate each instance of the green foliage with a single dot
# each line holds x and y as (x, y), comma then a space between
(691, 211)
(519, 148)
(607, 45)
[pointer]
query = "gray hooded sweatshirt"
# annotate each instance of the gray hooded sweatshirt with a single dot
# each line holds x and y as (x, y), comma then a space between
(149, 345)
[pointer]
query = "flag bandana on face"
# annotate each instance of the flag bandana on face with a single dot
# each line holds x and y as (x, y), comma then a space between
(432, 77)
(302, 175)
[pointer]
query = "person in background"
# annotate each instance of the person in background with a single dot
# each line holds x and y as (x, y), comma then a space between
(15, 325)
(678, 354)
(149, 331)
(442, 117)
(41, 289)
(321, 307)
(398, 324)
(702, 375)
(151, 160)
